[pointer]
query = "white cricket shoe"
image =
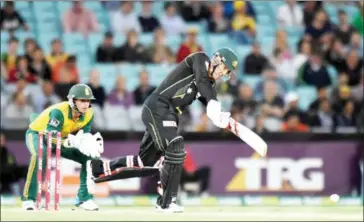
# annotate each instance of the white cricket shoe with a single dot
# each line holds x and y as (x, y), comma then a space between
(91, 186)
(28, 205)
(172, 208)
(89, 205)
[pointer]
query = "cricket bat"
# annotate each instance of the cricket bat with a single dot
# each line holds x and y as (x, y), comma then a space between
(248, 136)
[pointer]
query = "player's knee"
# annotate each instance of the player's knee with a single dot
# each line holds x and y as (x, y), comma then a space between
(175, 153)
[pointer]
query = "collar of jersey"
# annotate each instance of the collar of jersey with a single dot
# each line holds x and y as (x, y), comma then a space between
(82, 117)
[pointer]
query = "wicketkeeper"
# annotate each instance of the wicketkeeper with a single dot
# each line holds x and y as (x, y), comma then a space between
(69, 117)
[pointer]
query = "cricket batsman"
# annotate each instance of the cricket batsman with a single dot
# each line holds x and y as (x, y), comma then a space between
(69, 117)
(194, 78)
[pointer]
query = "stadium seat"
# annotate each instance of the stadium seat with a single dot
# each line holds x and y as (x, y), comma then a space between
(45, 40)
(99, 118)
(75, 43)
(94, 40)
(173, 41)
(218, 41)
(135, 113)
(116, 118)
(252, 81)
(333, 74)
(146, 39)
(21, 5)
(306, 95)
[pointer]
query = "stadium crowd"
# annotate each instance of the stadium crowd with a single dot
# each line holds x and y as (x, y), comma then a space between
(264, 95)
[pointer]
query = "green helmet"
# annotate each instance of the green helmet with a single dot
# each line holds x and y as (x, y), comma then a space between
(229, 58)
(80, 91)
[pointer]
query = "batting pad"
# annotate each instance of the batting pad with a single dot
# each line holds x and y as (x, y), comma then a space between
(128, 172)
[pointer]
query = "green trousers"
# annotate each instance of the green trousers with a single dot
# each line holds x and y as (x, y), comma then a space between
(31, 185)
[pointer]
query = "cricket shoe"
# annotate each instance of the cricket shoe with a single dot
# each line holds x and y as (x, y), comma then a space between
(88, 205)
(172, 208)
(28, 205)
(90, 182)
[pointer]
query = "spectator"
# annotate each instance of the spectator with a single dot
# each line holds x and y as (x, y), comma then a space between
(357, 91)
(291, 105)
(47, 98)
(192, 173)
(272, 103)
(314, 72)
(111, 5)
(242, 24)
(255, 61)
(97, 89)
(125, 19)
(171, 22)
(11, 172)
(344, 97)
(30, 45)
(245, 102)
(323, 117)
(69, 72)
(10, 19)
(270, 74)
(105, 52)
(347, 117)
(259, 125)
(319, 27)
(356, 43)
(353, 66)
(336, 55)
(302, 56)
(343, 80)
(203, 124)
(189, 46)
(290, 15)
(147, 21)
(144, 89)
(218, 23)
(18, 111)
(229, 9)
(39, 66)
(321, 96)
(158, 51)
(4, 73)
(57, 57)
(194, 11)
(120, 95)
(131, 51)
(309, 11)
(9, 57)
(344, 30)
(21, 72)
(79, 19)
(292, 124)
(284, 66)
(358, 19)
(281, 42)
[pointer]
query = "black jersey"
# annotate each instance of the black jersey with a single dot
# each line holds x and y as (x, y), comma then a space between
(188, 81)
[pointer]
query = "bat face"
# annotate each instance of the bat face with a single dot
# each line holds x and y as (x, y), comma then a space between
(248, 136)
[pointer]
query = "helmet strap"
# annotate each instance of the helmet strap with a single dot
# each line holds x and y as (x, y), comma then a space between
(73, 105)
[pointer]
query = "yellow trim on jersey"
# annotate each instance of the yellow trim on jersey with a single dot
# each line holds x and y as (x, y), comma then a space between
(69, 125)
(32, 165)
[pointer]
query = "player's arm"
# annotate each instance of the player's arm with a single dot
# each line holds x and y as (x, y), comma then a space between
(55, 122)
(208, 93)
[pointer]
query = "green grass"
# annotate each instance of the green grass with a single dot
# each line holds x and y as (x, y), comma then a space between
(283, 213)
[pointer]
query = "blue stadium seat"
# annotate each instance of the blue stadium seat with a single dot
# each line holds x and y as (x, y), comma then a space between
(200, 26)
(129, 70)
(75, 43)
(108, 73)
(45, 40)
(94, 39)
(218, 41)
(266, 19)
(119, 39)
(21, 5)
(94, 6)
(252, 81)
(44, 5)
(45, 16)
(62, 7)
(174, 41)
(333, 74)
(265, 30)
(306, 94)
(146, 39)
(158, 72)
(47, 27)
(242, 51)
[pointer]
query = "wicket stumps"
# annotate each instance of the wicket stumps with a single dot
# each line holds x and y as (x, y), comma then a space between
(48, 162)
